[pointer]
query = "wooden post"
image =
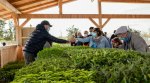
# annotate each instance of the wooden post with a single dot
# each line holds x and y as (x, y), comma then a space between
(16, 22)
(100, 14)
(18, 37)
(60, 6)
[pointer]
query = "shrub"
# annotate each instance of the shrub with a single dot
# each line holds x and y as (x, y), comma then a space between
(83, 64)
(7, 73)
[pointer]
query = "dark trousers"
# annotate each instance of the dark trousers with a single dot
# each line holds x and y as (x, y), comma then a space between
(29, 57)
(73, 44)
(79, 43)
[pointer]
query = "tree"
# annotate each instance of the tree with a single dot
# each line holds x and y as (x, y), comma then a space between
(134, 31)
(2, 25)
(72, 30)
(10, 32)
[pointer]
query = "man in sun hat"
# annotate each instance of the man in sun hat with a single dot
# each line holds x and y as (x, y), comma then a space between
(37, 40)
(131, 40)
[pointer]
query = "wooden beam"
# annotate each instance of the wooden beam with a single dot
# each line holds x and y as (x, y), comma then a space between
(43, 6)
(38, 8)
(58, 16)
(112, 16)
(105, 22)
(2, 10)
(6, 5)
(122, 1)
(5, 12)
(120, 16)
(25, 22)
(93, 22)
(14, 1)
(8, 15)
(16, 20)
(128, 1)
(60, 6)
(37, 5)
(100, 16)
(30, 3)
(2, 18)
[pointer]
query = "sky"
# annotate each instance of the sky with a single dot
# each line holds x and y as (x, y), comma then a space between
(88, 7)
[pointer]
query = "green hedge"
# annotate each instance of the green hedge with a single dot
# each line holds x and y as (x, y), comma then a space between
(7, 73)
(86, 65)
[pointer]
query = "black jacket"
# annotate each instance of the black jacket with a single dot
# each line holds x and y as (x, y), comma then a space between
(113, 36)
(38, 38)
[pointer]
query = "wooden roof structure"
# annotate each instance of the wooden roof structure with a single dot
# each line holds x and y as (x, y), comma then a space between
(29, 6)
(17, 9)
(25, 6)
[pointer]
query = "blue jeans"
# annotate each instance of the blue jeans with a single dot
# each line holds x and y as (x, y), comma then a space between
(29, 57)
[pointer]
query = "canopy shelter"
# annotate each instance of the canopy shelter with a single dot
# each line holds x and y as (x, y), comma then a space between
(17, 9)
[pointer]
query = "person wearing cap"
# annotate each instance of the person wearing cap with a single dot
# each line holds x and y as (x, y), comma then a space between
(131, 40)
(37, 40)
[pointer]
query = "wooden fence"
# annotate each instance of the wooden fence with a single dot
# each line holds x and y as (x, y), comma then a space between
(13, 52)
(8, 54)
(26, 31)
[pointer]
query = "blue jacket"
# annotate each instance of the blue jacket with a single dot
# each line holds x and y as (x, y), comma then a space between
(102, 42)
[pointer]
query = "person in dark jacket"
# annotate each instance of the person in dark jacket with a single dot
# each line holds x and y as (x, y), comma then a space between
(37, 41)
(113, 35)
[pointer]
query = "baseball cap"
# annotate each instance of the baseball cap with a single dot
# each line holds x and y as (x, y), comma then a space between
(45, 22)
(122, 29)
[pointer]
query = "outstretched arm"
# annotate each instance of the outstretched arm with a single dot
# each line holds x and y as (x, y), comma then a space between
(84, 39)
(54, 39)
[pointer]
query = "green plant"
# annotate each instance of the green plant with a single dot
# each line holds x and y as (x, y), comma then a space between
(84, 64)
(2, 26)
(7, 73)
